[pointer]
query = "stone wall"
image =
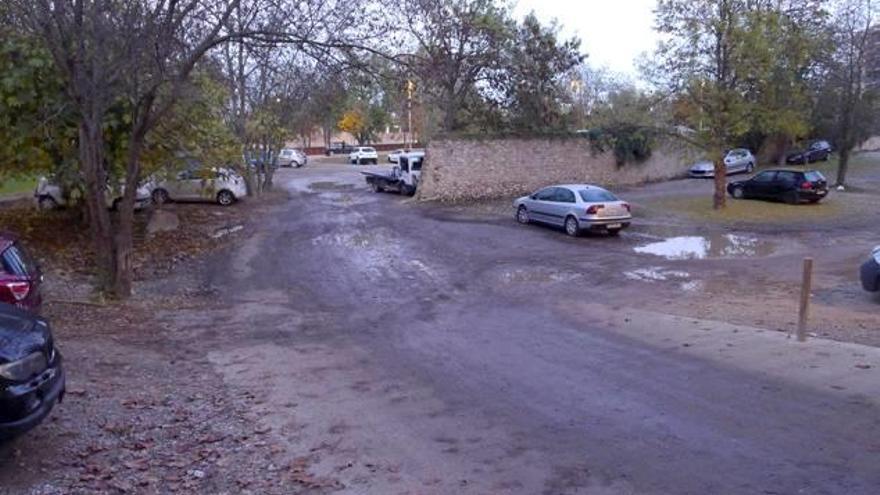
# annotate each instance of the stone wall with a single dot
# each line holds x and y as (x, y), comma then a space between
(872, 144)
(468, 169)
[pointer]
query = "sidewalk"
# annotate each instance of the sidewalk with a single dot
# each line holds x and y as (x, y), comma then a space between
(824, 365)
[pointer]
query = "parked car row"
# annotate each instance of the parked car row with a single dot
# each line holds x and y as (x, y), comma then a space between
(49, 195)
(212, 184)
(741, 160)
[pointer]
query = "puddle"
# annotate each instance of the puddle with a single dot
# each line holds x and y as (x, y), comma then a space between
(538, 275)
(712, 246)
(655, 274)
(658, 274)
(329, 186)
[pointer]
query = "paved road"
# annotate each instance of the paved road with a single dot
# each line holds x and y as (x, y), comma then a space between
(399, 350)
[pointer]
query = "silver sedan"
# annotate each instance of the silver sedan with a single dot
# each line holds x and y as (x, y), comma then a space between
(576, 207)
(735, 161)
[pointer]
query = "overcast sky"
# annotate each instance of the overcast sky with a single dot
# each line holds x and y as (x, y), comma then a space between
(612, 32)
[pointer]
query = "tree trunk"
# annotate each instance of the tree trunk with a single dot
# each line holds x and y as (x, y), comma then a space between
(91, 155)
(449, 110)
(720, 196)
(124, 240)
(843, 164)
(782, 143)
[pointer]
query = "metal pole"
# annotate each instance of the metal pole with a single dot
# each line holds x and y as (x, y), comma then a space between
(806, 288)
(409, 92)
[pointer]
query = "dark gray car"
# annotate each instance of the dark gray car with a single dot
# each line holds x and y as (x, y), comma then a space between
(870, 272)
(575, 207)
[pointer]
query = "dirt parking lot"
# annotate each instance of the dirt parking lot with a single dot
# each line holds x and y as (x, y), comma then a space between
(742, 265)
(351, 342)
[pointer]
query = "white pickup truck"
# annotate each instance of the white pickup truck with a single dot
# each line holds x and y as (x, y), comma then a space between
(404, 177)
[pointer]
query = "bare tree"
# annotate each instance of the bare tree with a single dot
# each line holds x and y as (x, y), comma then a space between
(458, 44)
(141, 54)
(853, 25)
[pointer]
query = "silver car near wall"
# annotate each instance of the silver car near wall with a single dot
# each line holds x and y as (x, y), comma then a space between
(576, 208)
(738, 160)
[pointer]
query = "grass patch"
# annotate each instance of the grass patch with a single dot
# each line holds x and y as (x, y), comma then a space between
(750, 211)
(16, 185)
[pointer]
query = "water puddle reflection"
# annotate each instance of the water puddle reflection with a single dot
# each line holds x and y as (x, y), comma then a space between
(711, 246)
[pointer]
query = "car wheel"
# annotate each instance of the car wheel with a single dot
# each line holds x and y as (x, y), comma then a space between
(614, 232)
(826, 157)
(522, 215)
(791, 198)
(47, 203)
(376, 187)
(738, 193)
(815, 200)
(159, 197)
(116, 203)
(750, 167)
(225, 198)
(571, 227)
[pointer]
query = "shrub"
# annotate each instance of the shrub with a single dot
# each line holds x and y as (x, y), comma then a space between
(631, 143)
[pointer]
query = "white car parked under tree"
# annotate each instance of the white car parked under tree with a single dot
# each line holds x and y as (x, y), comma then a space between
(50, 195)
(219, 185)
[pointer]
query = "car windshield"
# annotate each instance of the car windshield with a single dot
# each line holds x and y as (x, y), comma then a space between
(596, 195)
(369, 150)
(814, 176)
(17, 262)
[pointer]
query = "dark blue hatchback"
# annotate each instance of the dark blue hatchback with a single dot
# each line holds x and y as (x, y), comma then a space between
(31, 376)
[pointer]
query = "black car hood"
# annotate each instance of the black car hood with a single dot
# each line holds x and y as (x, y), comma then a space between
(20, 333)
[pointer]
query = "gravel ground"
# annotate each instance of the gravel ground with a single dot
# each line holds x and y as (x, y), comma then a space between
(145, 411)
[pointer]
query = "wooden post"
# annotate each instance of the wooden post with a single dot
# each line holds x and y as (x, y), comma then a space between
(806, 288)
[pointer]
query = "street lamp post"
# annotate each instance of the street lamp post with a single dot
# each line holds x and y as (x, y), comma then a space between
(410, 87)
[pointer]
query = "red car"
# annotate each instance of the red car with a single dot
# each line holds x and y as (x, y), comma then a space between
(20, 276)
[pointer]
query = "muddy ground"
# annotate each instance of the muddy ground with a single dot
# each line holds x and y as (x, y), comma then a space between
(354, 342)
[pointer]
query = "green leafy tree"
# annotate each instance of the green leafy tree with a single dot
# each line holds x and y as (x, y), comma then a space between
(37, 124)
(713, 54)
(788, 42)
(536, 63)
